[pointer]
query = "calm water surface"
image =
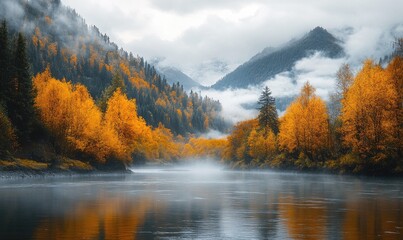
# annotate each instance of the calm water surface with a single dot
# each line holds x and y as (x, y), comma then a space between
(214, 204)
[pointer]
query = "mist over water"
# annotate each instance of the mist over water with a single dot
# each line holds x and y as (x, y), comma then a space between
(190, 167)
(201, 202)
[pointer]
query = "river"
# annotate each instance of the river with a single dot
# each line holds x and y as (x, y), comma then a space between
(201, 203)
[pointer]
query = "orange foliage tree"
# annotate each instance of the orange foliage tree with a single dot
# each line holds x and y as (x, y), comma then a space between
(262, 148)
(78, 125)
(238, 147)
(370, 112)
(395, 75)
(304, 126)
(166, 148)
(71, 116)
(132, 131)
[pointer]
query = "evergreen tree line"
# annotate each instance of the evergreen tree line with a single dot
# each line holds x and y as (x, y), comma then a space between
(17, 111)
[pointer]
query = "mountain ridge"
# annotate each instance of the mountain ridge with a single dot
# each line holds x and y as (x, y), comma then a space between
(174, 76)
(272, 61)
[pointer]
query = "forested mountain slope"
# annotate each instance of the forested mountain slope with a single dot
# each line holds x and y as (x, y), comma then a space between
(58, 38)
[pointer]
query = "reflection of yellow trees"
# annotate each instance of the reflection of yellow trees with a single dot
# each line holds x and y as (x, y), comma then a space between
(303, 219)
(102, 218)
(373, 219)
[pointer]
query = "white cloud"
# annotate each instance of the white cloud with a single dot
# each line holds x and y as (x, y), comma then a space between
(195, 35)
(233, 102)
(319, 70)
(191, 32)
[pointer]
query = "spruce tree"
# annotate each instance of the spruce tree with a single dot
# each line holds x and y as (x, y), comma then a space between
(117, 82)
(4, 63)
(20, 106)
(268, 118)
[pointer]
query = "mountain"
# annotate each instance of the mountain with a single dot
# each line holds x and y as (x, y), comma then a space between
(58, 38)
(272, 61)
(174, 75)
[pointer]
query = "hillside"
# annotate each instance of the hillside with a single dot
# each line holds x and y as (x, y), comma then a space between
(272, 61)
(59, 38)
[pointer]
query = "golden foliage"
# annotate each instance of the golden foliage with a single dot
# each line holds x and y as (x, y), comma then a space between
(304, 126)
(138, 82)
(73, 60)
(35, 40)
(395, 75)
(238, 147)
(166, 147)
(369, 111)
(77, 124)
(204, 148)
(125, 68)
(132, 131)
(261, 148)
(52, 49)
(70, 114)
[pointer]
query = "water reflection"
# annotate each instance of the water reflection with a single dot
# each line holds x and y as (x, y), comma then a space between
(304, 218)
(221, 205)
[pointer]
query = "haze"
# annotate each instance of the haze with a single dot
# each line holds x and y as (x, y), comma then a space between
(207, 39)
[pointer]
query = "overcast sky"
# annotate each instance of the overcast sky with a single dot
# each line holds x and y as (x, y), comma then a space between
(192, 34)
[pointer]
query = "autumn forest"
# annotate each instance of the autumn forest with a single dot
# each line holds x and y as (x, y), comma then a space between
(71, 99)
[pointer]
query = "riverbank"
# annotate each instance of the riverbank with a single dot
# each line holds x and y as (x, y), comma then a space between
(22, 168)
(345, 166)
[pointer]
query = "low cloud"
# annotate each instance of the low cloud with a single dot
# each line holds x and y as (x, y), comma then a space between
(213, 134)
(192, 6)
(239, 104)
(319, 70)
(189, 33)
(233, 102)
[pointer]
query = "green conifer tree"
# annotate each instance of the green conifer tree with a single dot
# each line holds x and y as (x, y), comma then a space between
(117, 82)
(20, 105)
(268, 117)
(4, 62)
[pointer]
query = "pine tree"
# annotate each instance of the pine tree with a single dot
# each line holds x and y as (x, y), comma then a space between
(4, 62)
(268, 118)
(21, 103)
(117, 83)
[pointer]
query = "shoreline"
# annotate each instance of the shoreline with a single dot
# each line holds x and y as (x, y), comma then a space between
(23, 174)
(27, 168)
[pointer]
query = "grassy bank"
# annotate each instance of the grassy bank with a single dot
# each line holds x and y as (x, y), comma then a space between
(20, 168)
(28, 167)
